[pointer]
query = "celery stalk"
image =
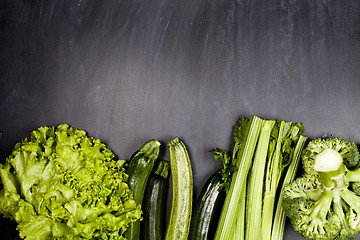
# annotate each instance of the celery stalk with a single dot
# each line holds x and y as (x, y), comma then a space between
(255, 184)
(286, 136)
(279, 219)
(226, 225)
(266, 147)
(271, 182)
(239, 233)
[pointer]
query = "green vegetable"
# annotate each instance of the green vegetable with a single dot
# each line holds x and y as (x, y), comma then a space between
(262, 152)
(254, 200)
(206, 208)
(322, 204)
(277, 232)
(284, 137)
(227, 169)
(246, 134)
(139, 170)
(182, 191)
(62, 184)
(154, 204)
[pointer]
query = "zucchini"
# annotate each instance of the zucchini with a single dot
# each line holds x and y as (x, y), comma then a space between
(139, 170)
(207, 209)
(154, 203)
(182, 191)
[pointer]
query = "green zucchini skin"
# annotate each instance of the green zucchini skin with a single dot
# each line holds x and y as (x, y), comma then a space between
(207, 209)
(153, 225)
(182, 192)
(139, 169)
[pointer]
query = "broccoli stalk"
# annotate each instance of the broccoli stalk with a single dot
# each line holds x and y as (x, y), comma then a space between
(329, 165)
(321, 203)
(331, 169)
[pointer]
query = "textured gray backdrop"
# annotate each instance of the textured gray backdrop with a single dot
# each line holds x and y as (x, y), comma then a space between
(127, 71)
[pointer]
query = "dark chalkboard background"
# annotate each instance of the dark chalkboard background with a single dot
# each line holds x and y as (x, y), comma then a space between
(127, 71)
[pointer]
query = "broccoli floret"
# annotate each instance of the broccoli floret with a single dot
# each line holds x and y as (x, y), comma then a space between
(355, 187)
(348, 151)
(324, 203)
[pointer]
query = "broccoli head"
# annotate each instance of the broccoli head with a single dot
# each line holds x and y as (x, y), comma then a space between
(324, 203)
(347, 150)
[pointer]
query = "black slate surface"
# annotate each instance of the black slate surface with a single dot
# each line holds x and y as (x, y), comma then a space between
(128, 70)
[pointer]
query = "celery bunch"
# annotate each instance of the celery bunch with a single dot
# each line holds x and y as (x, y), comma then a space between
(265, 153)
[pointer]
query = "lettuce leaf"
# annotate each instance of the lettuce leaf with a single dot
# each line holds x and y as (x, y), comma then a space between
(62, 184)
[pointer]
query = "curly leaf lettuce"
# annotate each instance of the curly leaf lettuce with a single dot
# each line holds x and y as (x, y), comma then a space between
(62, 184)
